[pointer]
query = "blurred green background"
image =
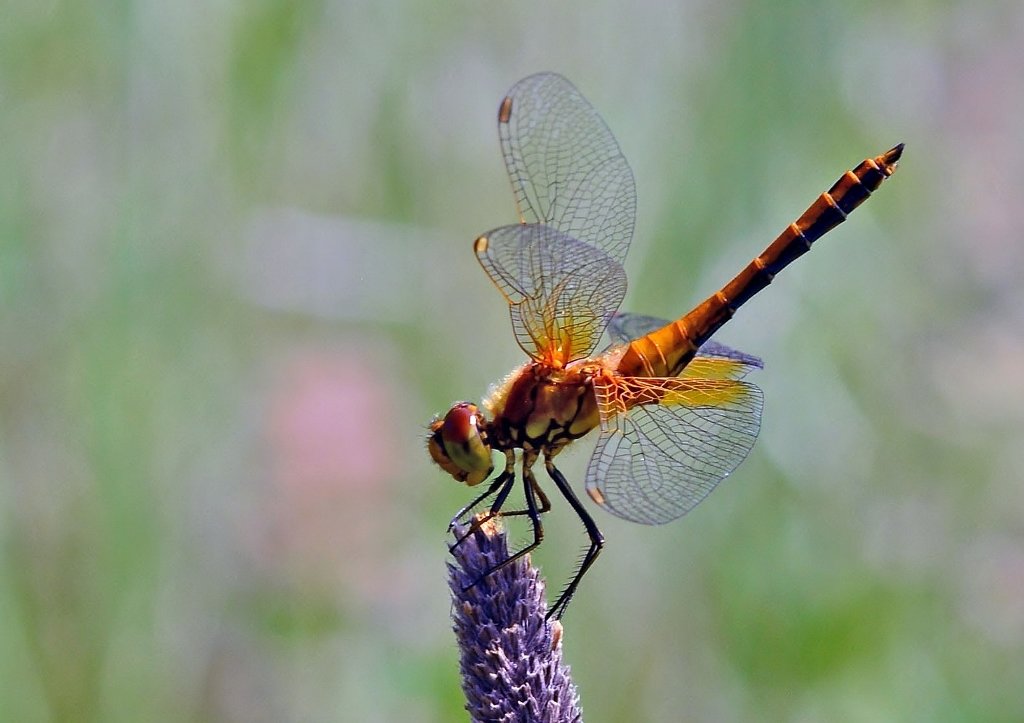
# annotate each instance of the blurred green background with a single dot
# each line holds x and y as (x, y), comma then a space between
(236, 283)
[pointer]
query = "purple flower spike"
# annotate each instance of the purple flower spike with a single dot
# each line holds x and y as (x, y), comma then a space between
(511, 658)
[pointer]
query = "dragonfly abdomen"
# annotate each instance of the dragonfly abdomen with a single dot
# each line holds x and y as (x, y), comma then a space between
(828, 211)
(667, 351)
(662, 353)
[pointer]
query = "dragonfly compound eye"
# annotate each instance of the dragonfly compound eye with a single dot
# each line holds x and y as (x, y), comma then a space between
(457, 444)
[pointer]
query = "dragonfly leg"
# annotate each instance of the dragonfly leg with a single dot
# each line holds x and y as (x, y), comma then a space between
(502, 485)
(545, 503)
(506, 479)
(530, 489)
(501, 479)
(596, 540)
(498, 482)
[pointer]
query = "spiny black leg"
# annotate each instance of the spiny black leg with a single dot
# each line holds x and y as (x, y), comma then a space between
(498, 482)
(596, 541)
(545, 503)
(544, 507)
(530, 488)
(505, 480)
(503, 485)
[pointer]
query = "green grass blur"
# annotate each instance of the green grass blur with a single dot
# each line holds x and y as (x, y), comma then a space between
(236, 282)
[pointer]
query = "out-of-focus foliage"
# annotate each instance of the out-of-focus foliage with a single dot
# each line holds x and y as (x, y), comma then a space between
(236, 282)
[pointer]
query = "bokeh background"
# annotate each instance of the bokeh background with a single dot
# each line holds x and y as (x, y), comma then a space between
(236, 283)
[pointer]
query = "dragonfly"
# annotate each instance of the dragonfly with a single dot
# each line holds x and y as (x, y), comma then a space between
(673, 411)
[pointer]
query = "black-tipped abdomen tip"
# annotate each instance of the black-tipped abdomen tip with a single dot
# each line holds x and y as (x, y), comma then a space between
(888, 161)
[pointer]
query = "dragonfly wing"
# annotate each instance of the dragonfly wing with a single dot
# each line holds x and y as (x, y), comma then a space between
(666, 443)
(715, 350)
(561, 291)
(566, 168)
(624, 327)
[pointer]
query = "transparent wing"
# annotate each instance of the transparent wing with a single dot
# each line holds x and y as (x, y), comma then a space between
(624, 327)
(560, 291)
(566, 168)
(666, 443)
(712, 358)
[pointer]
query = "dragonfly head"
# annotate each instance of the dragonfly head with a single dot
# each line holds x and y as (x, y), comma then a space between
(459, 446)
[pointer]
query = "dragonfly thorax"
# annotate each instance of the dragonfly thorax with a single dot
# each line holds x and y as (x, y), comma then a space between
(541, 407)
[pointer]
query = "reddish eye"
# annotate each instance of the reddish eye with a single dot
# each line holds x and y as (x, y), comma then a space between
(458, 444)
(459, 425)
